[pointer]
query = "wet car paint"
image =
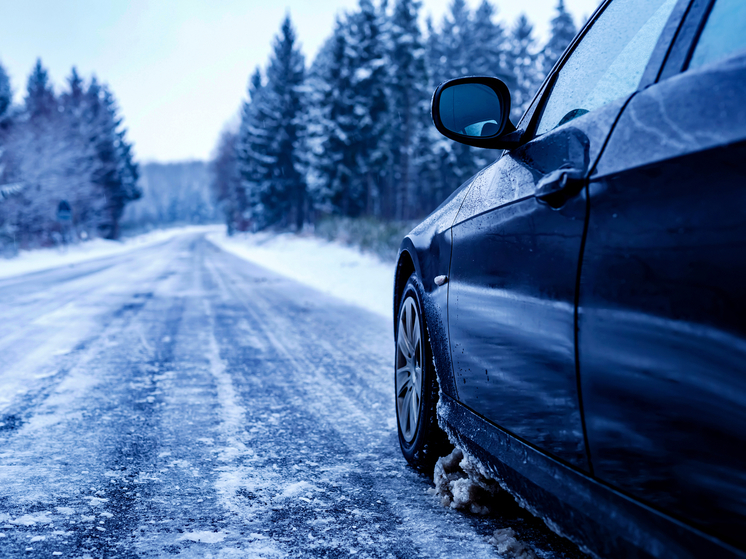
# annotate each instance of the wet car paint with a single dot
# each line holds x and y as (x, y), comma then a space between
(662, 333)
(512, 290)
(426, 251)
(695, 403)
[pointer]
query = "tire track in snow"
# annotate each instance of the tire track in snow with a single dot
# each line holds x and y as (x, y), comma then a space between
(354, 430)
(235, 475)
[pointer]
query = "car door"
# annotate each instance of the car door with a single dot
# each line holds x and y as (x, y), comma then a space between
(662, 307)
(517, 240)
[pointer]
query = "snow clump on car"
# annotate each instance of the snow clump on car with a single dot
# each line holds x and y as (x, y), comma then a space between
(509, 546)
(461, 486)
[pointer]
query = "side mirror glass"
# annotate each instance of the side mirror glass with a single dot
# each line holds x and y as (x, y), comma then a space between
(474, 111)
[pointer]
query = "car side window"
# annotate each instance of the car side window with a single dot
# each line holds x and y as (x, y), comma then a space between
(608, 62)
(724, 33)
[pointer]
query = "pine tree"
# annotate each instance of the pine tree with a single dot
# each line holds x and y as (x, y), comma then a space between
(114, 169)
(467, 44)
(6, 95)
(561, 35)
(252, 141)
(408, 109)
(73, 107)
(491, 55)
(369, 104)
(103, 138)
(68, 151)
(72, 99)
(253, 161)
(225, 182)
(282, 115)
(271, 139)
(332, 127)
(8, 188)
(346, 103)
(433, 51)
(456, 45)
(525, 64)
(86, 199)
(129, 170)
(40, 100)
(38, 162)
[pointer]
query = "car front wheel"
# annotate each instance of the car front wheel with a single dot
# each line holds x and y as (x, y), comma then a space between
(421, 439)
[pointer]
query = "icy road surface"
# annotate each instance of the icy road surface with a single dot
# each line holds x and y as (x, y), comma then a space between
(177, 400)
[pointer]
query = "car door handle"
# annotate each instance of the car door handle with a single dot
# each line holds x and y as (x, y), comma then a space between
(559, 186)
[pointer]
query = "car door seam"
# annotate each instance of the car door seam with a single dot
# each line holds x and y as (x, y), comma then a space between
(578, 274)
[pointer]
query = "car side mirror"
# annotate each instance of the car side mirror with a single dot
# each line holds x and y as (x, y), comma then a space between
(475, 111)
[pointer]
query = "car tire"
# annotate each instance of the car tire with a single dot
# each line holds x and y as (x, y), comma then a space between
(416, 385)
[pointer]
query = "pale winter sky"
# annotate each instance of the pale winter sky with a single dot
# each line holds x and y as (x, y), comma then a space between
(179, 68)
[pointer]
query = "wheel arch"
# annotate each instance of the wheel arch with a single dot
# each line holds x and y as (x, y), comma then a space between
(433, 312)
(405, 267)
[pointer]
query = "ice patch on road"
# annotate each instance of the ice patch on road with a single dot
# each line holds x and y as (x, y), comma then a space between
(341, 271)
(95, 501)
(234, 476)
(461, 485)
(205, 536)
(32, 519)
(298, 488)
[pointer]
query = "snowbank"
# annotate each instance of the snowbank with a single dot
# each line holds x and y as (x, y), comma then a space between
(43, 259)
(341, 271)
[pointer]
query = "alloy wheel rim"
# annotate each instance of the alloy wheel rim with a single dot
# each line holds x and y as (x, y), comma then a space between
(408, 369)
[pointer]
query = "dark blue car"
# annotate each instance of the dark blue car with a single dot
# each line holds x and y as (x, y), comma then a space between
(577, 310)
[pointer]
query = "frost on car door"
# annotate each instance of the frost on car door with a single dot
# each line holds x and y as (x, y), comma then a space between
(516, 247)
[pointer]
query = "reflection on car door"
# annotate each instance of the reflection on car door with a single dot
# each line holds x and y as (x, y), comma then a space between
(515, 255)
(662, 316)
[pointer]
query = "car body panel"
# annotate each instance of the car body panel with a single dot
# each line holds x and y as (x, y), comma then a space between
(662, 328)
(428, 248)
(648, 144)
(512, 287)
(599, 519)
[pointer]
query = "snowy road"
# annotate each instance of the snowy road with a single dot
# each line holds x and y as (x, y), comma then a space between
(176, 400)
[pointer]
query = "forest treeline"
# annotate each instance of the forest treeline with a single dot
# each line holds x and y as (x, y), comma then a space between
(66, 167)
(350, 134)
(172, 194)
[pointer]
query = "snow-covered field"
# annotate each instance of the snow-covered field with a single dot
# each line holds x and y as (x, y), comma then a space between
(29, 261)
(341, 271)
